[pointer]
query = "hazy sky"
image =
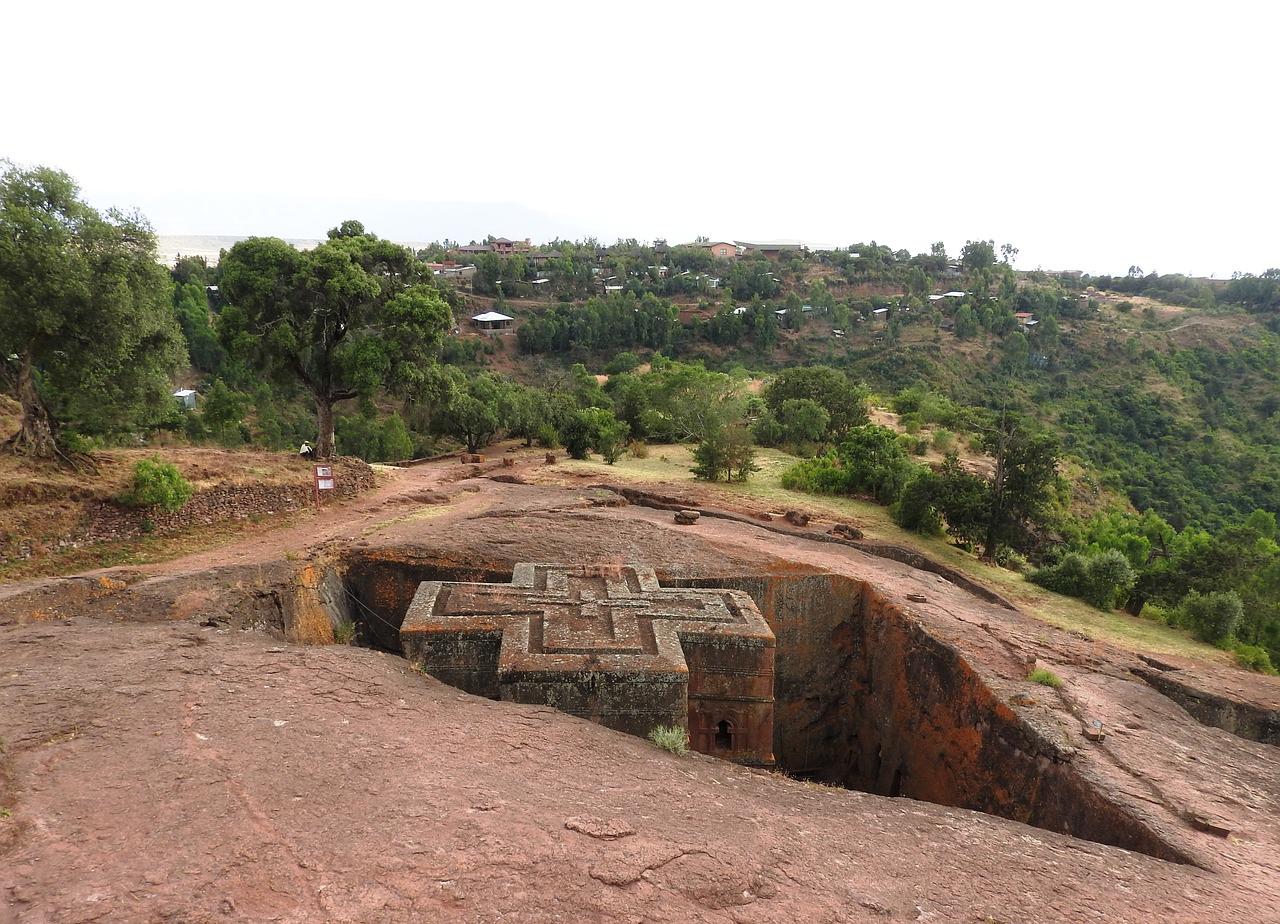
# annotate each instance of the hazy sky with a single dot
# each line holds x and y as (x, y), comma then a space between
(1090, 135)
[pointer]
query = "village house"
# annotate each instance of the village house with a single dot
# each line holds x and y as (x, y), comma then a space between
(449, 271)
(1025, 318)
(492, 322)
(774, 250)
(721, 250)
(499, 245)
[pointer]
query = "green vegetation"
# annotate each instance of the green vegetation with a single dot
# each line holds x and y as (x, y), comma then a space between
(1045, 678)
(1117, 439)
(342, 320)
(88, 336)
(671, 738)
(344, 632)
(158, 484)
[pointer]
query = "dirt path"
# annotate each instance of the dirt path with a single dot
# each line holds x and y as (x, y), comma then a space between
(398, 491)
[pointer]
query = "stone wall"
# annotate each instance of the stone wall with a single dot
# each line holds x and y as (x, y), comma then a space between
(107, 521)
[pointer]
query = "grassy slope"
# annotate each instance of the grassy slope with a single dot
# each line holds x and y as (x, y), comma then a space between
(671, 464)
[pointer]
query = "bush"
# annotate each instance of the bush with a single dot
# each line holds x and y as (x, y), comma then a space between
(671, 738)
(578, 435)
(725, 455)
(876, 462)
(1067, 577)
(1045, 677)
(767, 431)
(914, 508)
(823, 475)
(1153, 612)
(943, 441)
(623, 362)
(638, 449)
(1109, 577)
(1212, 617)
(1099, 579)
(1254, 658)
(158, 484)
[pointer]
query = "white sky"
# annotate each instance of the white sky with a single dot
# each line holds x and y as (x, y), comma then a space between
(1091, 135)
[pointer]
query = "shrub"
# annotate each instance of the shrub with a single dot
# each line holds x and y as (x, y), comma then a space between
(1254, 658)
(671, 738)
(767, 431)
(158, 484)
(1108, 577)
(578, 435)
(725, 455)
(1012, 559)
(914, 508)
(1154, 612)
(1067, 577)
(623, 362)
(344, 632)
(943, 441)
(1045, 678)
(639, 449)
(823, 475)
(1099, 579)
(876, 462)
(1212, 617)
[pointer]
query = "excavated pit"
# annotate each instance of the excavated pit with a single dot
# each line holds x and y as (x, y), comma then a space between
(865, 699)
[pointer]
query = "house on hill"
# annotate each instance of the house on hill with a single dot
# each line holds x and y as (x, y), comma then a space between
(721, 250)
(774, 250)
(499, 245)
(1024, 318)
(492, 322)
(505, 247)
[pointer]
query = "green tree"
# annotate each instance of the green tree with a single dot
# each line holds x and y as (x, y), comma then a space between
(1026, 467)
(579, 433)
(802, 420)
(474, 421)
(726, 454)
(1016, 350)
(609, 434)
(85, 314)
(223, 411)
(343, 319)
(844, 401)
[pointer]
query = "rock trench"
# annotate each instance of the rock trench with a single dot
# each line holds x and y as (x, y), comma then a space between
(865, 698)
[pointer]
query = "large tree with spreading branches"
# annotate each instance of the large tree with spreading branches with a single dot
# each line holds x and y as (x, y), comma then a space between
(352, 315)
(87, 332)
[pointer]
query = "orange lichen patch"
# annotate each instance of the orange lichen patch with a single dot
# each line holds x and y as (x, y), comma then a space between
(106, 585)
(311, 623)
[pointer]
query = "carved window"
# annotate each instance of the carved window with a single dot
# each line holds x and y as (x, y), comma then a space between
(724, 735)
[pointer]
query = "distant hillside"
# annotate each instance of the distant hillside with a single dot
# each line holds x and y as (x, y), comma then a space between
(171, 246)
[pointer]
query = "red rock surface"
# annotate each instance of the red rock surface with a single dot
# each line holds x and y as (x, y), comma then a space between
(158, 769)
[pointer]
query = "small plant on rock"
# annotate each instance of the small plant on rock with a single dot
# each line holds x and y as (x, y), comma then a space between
(344, 632)
(671, 738)
(1045, 678)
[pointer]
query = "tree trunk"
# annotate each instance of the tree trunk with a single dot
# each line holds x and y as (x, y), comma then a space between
(324, 420)
(36, 435)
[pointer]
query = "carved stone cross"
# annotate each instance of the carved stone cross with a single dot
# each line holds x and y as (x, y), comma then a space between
(615, 647)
